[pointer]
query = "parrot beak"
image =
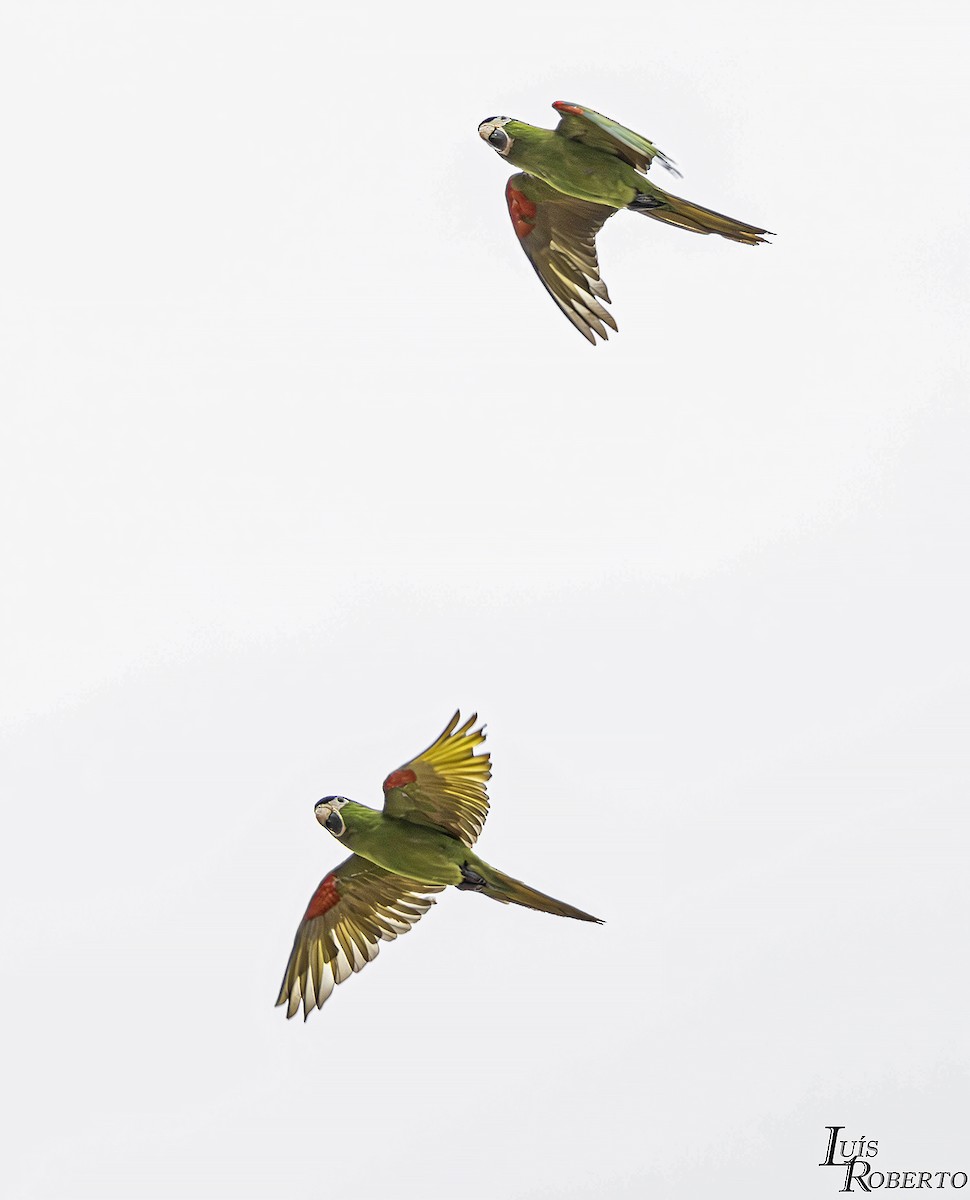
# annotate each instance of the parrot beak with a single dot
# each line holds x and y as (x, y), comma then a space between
(322, 812)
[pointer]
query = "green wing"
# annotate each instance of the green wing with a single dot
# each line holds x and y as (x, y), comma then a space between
(356, 906)
(444, 787)
(558, 234)
(586, 125)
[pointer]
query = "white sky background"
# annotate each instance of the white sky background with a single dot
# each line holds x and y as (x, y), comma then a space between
(298, 457)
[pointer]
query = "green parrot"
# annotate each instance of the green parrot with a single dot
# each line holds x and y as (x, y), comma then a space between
(434, 810)
(574, 178)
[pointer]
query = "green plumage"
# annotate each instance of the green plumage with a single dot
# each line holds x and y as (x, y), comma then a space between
(431, 856)
(572, 167)
(428, 855)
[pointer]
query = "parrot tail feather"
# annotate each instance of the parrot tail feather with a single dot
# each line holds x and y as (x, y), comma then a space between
(675, 210)
(506, 890)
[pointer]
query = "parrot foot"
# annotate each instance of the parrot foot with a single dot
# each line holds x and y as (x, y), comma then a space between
(471, 881)
(641, 202)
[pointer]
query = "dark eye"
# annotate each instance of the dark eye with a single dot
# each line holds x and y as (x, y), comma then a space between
(335, 824)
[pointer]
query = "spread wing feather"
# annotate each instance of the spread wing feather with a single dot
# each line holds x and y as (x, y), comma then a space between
(558, 234)
(444, 787)
(355, 908)
(587, 125)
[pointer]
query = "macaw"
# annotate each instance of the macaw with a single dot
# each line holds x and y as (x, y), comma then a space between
(434, 809)
(575, 177)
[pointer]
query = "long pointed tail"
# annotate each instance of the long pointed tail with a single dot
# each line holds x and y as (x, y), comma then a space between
(491, 882)
(675, 210)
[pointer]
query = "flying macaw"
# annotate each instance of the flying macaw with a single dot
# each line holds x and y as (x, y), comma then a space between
(434, 810)
(574, 178)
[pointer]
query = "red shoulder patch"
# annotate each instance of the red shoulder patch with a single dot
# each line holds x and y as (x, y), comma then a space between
(399, 779)
(562, 106)
(324, 898)
(521, 210)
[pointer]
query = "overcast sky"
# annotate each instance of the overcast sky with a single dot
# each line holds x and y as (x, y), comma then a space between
(298, 457)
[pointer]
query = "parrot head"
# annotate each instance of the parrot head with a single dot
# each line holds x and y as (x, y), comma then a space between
(327, 812)
(492, 131)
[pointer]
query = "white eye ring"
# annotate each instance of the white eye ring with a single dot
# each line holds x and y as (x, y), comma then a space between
(492, 129)
(327, 812)
(335, 824)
